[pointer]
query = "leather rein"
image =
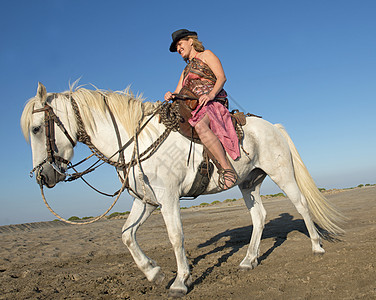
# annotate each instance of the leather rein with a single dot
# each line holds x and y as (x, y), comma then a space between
(50, 118)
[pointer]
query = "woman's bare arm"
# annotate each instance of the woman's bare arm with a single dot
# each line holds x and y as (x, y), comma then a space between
(215, 65)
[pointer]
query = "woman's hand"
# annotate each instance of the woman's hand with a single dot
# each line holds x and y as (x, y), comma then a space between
(204, 99)
(168, 96)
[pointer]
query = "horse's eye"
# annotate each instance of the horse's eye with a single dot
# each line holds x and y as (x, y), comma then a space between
(36, 129)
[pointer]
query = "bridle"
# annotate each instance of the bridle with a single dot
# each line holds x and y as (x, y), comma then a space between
(50, 118)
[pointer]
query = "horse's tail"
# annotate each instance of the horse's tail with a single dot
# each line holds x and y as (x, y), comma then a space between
(326, 215)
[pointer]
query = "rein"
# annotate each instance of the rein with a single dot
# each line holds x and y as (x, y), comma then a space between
(98, 217)
(82, 136)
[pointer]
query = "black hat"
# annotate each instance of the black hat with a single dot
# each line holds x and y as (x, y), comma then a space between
(178, 35)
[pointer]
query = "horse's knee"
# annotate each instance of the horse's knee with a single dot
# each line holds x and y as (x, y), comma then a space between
(176, 240)
(263, 216)
(259, 217)
(128, 238)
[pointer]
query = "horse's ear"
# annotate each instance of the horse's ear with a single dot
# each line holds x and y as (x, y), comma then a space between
(41, 93)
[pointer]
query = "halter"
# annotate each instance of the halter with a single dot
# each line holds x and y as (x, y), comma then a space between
(50, 118)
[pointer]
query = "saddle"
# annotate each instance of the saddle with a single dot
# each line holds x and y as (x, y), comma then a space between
(178, 113)
(188, 102)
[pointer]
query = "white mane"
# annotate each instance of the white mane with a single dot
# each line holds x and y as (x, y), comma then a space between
(126, 107)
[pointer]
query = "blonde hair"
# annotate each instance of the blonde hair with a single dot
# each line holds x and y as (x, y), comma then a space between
(126, 107)
(197, 45)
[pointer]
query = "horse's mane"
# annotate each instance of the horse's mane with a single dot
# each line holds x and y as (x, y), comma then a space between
(126, 107)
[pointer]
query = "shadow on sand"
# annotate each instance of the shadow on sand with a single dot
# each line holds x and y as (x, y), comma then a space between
(278, 229)
(237, 238)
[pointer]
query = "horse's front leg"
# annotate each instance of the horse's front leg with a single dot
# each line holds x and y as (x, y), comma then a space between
(139, 213)
(171, 215)
(251, 196)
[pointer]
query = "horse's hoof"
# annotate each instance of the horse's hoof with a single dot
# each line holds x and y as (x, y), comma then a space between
(158, 277)
(174, 293)
(319, 251)
(248, 266)
(189, 281)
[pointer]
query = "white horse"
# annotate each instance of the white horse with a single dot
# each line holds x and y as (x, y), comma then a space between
(166, 176)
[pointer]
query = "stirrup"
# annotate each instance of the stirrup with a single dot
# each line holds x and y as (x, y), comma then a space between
(229, 175)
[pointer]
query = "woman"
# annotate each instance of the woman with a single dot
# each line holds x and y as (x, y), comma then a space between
(204, 77)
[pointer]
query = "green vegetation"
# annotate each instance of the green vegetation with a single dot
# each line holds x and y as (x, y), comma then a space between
(116, 214)
(229, 200)
(276, 195)
(204, 204)
(360, 186)
(216, 202)
(322, 189)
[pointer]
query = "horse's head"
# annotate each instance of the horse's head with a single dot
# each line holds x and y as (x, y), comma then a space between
(52, 146)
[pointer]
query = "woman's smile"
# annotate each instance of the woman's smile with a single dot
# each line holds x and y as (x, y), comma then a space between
(184, 48)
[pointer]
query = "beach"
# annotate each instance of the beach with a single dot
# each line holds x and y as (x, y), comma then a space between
(53, 260)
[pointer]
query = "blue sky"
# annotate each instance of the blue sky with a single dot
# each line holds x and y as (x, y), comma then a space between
(309, 65)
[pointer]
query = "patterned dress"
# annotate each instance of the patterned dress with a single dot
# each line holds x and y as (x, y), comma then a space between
(200, 80)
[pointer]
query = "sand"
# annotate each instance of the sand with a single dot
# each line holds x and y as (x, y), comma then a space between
(52, 260)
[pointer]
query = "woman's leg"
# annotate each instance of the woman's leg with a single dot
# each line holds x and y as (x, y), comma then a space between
(211, 141)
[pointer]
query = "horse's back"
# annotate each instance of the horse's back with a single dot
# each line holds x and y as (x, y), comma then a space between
(265, 144)
(263, 133)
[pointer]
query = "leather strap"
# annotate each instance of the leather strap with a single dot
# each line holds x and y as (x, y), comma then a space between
(121, 152)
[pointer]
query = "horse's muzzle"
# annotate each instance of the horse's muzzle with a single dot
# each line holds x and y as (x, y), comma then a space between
(48, 176)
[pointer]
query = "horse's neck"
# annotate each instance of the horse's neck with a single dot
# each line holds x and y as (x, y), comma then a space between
(176, 147)
(105, 138)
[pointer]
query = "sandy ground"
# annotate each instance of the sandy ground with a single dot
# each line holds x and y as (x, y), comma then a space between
(52, 260)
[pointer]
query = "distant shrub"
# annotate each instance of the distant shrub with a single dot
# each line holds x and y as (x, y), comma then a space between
(360, 185)
(368, 184)
(116, 214)
(276, 195)
(322, 189)
(184, 207)
(229, 200)
(204, 204)
(74, 218)
(85, 218)
(216, 202)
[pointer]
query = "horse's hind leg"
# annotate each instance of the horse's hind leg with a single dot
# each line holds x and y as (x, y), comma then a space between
(288, 184)
(251, 195)
(139, 213)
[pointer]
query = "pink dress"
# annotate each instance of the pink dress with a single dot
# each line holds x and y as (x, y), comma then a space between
(200, 79)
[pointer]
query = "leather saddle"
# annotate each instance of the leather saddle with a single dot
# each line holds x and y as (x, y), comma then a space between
(184, 103)
(188, 102)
